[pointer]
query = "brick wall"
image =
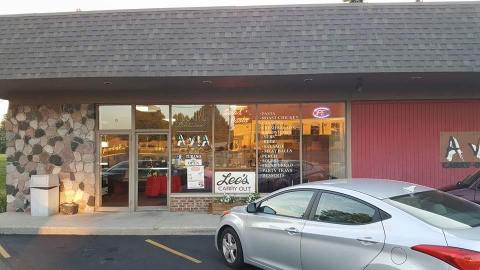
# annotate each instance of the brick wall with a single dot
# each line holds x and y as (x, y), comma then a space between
(190, 204)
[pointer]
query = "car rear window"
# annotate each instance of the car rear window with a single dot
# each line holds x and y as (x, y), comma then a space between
(440, 209)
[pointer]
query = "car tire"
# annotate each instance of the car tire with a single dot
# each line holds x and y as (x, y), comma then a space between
(231, 249)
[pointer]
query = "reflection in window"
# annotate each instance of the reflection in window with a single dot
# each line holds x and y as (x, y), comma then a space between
(114, 170)
(279, 146)
(291, 204)
(323, 141)
(235, 137)
(115, 117)
(152, 170)
(151, 117)
(338, 209)
(191, 148)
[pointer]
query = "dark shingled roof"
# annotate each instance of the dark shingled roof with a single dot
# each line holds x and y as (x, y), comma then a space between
(224, 41)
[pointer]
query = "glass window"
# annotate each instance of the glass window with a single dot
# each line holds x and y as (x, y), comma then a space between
(439, 209)
(290, 204)
(115, 117)
(323, 141)
(339, 209)
(235, 137)
(152, 170)
(152, 117)
(191, 148)
(279, 146)
(114, 170)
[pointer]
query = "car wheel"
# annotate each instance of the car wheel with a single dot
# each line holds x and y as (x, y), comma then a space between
(231, 248)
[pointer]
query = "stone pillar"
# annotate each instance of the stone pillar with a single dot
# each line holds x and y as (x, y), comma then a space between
(51, 139)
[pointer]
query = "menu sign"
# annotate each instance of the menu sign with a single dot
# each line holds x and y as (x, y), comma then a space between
(234, 182)
(195, 177)
(279, 144)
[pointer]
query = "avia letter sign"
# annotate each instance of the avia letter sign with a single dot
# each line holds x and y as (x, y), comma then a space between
(460, 149)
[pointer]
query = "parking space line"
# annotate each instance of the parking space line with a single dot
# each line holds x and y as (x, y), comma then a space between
(178, 253)
(4, 252)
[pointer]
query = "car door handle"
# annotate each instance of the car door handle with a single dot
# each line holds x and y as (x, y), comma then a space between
(367, 241)
(292, 230)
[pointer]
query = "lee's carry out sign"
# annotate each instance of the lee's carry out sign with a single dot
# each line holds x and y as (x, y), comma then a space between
(234, 182)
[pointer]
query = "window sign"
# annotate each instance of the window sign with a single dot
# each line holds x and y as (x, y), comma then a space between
(195, 177)
(234, 182)
(279, 146)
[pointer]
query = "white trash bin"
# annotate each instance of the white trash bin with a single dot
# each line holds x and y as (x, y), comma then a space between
(44, 195)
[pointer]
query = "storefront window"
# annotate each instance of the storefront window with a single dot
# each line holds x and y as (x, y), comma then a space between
(113, 117)
(279, 146)
(151, 116)
(235, 148)
(114, 163)
(191, 148)
(323, 141)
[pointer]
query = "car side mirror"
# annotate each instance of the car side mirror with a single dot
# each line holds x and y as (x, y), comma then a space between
(252, 208)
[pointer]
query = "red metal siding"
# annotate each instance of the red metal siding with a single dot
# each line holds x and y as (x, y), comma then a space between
(401, 140)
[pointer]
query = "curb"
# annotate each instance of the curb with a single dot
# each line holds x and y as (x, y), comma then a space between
(105, 231)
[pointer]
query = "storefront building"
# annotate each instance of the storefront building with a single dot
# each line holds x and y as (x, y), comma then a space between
(171, 109)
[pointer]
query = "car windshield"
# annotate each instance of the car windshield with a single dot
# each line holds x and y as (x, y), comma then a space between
(470, 179)
(440, 209)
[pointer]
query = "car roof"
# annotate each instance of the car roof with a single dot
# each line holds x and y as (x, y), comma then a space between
(378, 188)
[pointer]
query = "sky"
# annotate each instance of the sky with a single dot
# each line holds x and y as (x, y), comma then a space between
(43, 6)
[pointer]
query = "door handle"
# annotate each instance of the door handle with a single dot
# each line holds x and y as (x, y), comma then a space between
(367, 241)
(292, 230)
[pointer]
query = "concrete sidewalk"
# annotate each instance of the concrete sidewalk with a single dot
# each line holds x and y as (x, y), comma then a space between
(138, 223)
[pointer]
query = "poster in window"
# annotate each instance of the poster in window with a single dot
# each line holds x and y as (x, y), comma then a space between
(195, 177)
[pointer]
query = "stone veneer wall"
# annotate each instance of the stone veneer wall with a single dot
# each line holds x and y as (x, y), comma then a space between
(51, 139)
(190, 204)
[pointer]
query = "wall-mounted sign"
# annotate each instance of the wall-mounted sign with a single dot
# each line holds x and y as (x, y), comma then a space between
(321, 112)
(234, 182)
(195, 177)
(460, 149)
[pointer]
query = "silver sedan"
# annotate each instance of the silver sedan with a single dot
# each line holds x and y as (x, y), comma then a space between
(353, 224)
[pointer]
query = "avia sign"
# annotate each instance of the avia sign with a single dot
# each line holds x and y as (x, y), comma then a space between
(460, 149)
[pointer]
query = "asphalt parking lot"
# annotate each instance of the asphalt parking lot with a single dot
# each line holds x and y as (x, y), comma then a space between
(109, 252)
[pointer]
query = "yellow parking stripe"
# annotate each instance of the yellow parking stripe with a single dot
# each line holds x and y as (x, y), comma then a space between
(173, 251)
(4, 253)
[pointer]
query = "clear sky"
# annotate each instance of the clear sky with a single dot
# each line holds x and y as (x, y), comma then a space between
(42, 6)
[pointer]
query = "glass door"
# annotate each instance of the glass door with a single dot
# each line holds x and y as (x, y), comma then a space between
(114, 170)
(152, 171)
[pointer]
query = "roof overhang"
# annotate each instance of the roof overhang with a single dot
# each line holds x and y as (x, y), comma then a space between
(238, 89)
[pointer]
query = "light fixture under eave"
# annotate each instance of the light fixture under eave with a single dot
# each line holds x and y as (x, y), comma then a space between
(104, 144)
(359, 85)
(107, 83)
